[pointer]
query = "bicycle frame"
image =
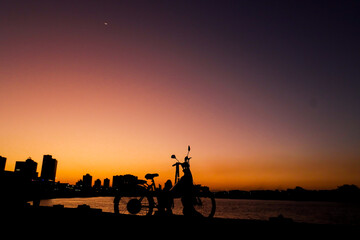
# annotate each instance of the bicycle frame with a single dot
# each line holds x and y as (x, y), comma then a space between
(152, 186)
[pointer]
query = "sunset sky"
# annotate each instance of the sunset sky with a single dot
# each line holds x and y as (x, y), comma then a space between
(267, 93)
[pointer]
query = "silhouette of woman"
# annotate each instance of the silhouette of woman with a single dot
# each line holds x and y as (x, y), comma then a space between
(185, 188)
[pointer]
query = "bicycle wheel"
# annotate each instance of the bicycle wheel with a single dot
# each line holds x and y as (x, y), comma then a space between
(204, 203)
(142, 205)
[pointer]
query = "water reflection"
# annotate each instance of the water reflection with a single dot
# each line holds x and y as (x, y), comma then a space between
(310, 212)
(104, 203)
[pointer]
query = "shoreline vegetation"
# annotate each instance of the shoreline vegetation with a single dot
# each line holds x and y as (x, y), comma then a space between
(348, 193)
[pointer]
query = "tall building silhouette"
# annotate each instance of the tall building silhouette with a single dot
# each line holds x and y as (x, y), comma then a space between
(48, 170)
(106, 183)
(97, 183)
(87, 180)
(26, 169)
(2, 163)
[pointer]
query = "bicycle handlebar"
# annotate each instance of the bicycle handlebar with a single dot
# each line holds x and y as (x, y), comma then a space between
(178, 163)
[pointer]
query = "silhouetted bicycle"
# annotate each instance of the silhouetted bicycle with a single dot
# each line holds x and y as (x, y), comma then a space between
(144, 197)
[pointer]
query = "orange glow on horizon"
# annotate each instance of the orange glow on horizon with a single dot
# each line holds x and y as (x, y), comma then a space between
(247, 174)
(106, 131)
(116, 89)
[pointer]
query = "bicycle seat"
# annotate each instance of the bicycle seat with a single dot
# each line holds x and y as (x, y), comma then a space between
(151, 175)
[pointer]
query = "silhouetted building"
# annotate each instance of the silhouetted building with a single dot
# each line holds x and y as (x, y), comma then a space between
(106, 183)
(116, 181)
(97, 183)
(87, 180)
(48, 170)
(121, 180)
(79, 184)
(2, 163)
(26, 169)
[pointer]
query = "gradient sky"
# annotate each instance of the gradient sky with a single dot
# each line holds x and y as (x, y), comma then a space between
(265, 92)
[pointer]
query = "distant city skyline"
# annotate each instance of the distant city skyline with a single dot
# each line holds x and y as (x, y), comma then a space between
(28, 168)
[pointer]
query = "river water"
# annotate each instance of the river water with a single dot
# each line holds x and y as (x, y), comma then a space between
(309, 212)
